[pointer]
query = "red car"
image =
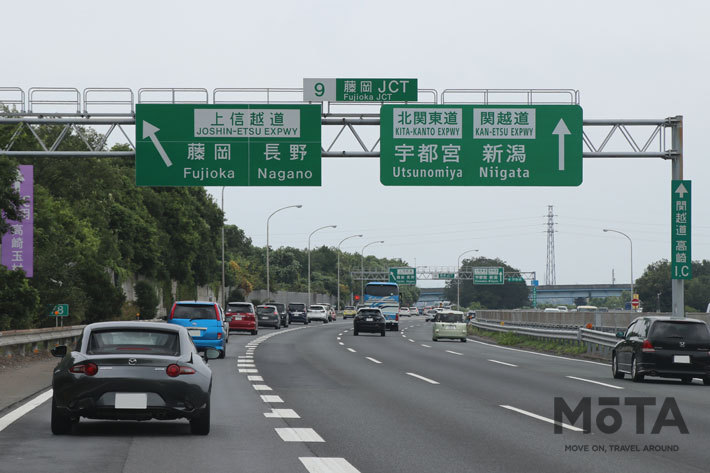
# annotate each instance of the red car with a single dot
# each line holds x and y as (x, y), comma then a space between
(242, 317)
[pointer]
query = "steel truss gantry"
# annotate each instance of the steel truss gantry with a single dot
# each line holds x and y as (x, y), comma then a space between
(431, 273)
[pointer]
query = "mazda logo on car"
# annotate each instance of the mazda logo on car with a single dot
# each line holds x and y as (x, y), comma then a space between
(132, 361)
(682, 344)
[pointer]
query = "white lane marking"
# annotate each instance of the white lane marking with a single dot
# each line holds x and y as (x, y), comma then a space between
(374, 360)
(255, 378)
(271, 398)
(351, 350)
(411, 340)
(431, 381)
(248, 370)
(327, 465)
(290, 434)
(340, 334)
(404, 336)
(454, 352)
(539, 354)
(12, 416)
(595, 382)
(338, 338)
(426, 346)
(246, 365)
(503, 363)
(261, 387)
(544, 419)
(341, 343)
(282, 414)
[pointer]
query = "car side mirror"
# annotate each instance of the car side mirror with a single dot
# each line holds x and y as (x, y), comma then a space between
(211, 354)
(620, 334)
(59, 351)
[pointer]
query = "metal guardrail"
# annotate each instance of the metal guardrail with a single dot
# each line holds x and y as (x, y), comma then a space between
(17, 340)
(580, 334)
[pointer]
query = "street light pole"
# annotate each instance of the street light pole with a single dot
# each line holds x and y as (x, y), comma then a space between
(458, 278)
(309, 258)
(362, 269)
(632, 256)
(268, 280)
(224, 296)
(341, 242)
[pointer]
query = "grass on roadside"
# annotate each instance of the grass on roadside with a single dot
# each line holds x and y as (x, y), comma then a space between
(524, 341)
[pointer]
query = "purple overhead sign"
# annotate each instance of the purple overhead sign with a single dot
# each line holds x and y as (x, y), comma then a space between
(17, 249)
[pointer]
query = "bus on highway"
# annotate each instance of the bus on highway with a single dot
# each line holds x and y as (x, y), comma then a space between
(385, 296)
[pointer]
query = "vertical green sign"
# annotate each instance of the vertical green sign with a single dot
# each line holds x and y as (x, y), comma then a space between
(493, 275)
(681, 263)
(481, 145)
(403, 275)
(228, 145)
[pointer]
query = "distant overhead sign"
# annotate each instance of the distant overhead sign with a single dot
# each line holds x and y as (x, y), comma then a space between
(481, 145)
(228, 145)
(403, 275)
(360, 90)
(492, 275)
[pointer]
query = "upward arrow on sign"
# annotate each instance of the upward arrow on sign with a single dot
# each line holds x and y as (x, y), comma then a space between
(681, 190)
(561, 130)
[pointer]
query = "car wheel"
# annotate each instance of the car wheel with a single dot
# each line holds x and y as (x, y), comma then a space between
(222, 354)
(382, 333)
(463, 340)
(355, 332)
(277, 326)
(200, 424)
(434, 339)
(325, 321)
(615, 368)
(254, 332)
(61, 423)
(706, 380)
(686, 379)
(635, 376)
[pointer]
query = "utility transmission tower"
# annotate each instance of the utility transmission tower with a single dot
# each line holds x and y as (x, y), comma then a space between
(550, 268)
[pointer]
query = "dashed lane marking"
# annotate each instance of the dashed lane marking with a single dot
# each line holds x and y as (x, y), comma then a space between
(430, 381)
(544, 419)
(272, 398)
(255, 378)
(351, 350)
(503, 363)
(327, 465)
(454, 352)
(374, 360)
(290, 434)
(282, 414)
(595, 382)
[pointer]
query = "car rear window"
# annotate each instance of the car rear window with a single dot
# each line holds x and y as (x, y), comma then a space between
(265, 310)
(685, 330)
(317, 307)
(369, 313)
(240, 308)
(296, 306)
(194, 311)
(450, 318)
(123, 341)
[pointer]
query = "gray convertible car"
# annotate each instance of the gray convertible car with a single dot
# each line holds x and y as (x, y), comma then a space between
(132, 371)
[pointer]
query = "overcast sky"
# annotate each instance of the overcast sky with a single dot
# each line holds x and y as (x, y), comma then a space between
(631, 59)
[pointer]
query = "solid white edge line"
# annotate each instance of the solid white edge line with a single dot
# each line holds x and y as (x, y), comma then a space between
(374, 360)
(15, 414)
(430, 381)
(595, 382)
(327, 465)
(503, 363)
(544, 419)
(539, 354)
(454, 352)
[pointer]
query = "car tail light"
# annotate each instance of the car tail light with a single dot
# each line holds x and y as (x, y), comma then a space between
(397, 318)
(176, 370)
(89, 369)
(172, 312)
(216, 312)
(219, 336)
(647, 346)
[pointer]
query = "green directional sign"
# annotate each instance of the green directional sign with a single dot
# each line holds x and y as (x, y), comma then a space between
(60, 310)
(228, 145)
(514, 279)
(403, 275)
(681, 267)
(446, 276)
(360, 90)
(481, 145)
(492, 275)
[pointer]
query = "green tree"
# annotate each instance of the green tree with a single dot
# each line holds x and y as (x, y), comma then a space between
(10, 201)
(510, 295)
(656, 279)
(146, 299)
(19, 302)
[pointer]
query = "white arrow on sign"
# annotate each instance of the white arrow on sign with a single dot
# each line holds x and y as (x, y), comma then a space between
(150, 131)
(681, 190)
(561, 130)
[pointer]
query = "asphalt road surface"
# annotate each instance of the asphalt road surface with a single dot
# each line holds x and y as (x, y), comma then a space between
(318, 399)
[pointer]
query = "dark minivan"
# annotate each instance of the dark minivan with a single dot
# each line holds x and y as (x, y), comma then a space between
(297, 313)
(663, 346)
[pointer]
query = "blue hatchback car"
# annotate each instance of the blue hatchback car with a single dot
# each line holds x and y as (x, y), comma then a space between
(204, 322)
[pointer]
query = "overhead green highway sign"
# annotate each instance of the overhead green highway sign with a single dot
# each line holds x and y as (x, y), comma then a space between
(480, 145)
(492, 275)
(360, 90)
(228, 145)
(403, 275)
(446, 276)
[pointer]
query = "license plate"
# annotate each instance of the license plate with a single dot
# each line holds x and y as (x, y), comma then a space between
(369, 319)
(681, 359)
(131, 401)
(452, 327)
(237, 317)
(264, 318)
(194, 332)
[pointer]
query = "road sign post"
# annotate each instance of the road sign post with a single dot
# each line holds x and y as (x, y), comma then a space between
(360, 90)
(681, 263)
(485, 276)
(403, 276)
(228, 145)
(481, 145)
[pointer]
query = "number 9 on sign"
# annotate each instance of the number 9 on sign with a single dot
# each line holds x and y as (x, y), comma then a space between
(319, 89)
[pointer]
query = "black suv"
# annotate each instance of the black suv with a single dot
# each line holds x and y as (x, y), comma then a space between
(297, 313)
(663, 346)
